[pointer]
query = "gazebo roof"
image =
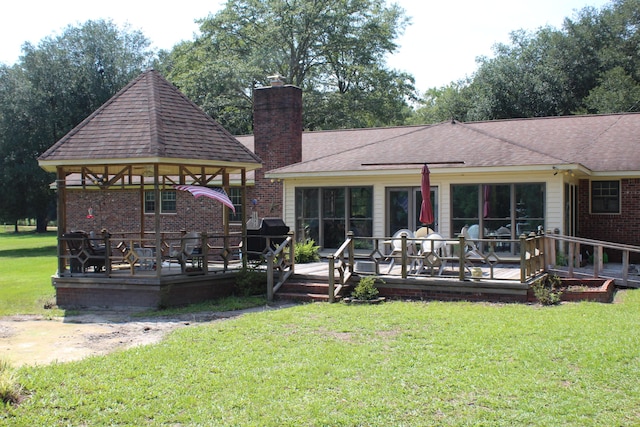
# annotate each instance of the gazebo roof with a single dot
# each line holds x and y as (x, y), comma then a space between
(149, 122)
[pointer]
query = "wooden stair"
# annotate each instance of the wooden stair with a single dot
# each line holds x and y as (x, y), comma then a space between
(307, 290)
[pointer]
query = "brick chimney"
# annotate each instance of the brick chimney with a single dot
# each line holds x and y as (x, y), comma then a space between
(277, 132)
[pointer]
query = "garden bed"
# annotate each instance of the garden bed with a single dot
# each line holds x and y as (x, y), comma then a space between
(599, 290)
(576, 289)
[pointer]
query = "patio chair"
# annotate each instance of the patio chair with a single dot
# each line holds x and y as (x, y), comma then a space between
(431, 253)
(423, 232)
(83, 254)
(396, 246)
(189, 246)
(470, 234)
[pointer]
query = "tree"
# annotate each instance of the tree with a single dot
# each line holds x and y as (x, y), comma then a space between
(334, 50)
(445, 103)
(617, 92)
(590, 65)
(49, 91)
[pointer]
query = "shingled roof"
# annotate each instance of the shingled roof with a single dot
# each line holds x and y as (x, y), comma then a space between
(149, 121)
(597, 143)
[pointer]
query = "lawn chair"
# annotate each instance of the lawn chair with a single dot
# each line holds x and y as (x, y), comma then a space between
(190, 245)
(396, 246)
(431, 253)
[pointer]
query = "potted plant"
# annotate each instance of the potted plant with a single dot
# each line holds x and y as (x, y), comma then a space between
(366, 291)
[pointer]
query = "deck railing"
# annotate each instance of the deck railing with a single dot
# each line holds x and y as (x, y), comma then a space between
(281, 262)
(341, 261)
(371, 255)
(566, 256)
(123, 252)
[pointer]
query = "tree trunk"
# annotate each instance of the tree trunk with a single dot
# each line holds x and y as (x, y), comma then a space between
(41, 224)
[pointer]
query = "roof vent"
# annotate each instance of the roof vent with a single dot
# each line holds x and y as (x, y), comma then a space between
(276, 80)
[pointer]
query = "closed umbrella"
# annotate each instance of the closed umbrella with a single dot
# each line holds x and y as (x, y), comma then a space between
(213, 193)
(426, 210)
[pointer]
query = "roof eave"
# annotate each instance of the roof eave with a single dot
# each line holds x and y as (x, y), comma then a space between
(52, 165)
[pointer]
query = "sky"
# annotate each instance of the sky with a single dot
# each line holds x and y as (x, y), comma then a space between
(440, 46)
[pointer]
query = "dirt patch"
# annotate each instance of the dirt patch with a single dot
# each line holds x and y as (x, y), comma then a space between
(33, 340)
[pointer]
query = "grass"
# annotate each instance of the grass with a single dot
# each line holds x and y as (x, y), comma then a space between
(399, 363)
(27, 261)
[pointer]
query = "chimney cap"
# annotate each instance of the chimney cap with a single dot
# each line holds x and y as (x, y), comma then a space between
(276, 79)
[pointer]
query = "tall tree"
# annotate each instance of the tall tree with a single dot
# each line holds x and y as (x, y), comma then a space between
(334, 50)
(49, 91)
(590, 65)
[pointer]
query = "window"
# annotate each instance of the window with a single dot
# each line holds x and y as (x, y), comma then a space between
(605, 197)
(167, 205)
(326, 214)
(235, 195)
(507, 210)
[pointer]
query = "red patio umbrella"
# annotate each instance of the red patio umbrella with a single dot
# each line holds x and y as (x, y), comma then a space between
(213, 193)
(426, 210)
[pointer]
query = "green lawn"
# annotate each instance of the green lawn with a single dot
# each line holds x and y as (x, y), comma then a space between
(394, 364)
(399, 363)
(27, 262)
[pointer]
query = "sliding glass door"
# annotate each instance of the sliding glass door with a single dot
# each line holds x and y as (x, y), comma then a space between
(403, 208)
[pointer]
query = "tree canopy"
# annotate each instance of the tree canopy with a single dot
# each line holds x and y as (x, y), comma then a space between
(590, 65)
(51, 89)
(334, 50)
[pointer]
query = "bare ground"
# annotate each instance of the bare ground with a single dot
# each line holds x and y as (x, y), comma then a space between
(34, 340)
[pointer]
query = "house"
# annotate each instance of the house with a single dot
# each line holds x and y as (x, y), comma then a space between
(117, 171)
(573, 175)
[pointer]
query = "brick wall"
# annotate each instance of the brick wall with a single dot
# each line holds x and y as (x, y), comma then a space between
(120, 211)
(277, 129)
(619, 228)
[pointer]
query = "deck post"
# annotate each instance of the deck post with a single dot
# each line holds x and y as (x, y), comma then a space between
(270, 276)
(597, 260)
(404, 258)
(463, 261)
(625, 267)
(332, 278)
(205, 253)
(351, 249)
(523, 258)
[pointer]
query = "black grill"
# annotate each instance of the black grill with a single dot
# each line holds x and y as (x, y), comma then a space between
(256, 240)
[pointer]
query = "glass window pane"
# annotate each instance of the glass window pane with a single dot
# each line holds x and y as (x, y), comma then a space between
(307, 214)
(605, 196)
(235, 195)
(398, 210)
(496, 201)
(529, 200)
(361, 211)
(168, 201)
(333, 203)
(465, 201)
(334, 233)
(149, 202)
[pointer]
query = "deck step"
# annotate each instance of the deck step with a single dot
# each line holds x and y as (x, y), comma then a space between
(300, 296)
(300, 290)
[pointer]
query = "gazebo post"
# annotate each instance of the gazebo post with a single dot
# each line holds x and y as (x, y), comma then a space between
(62, 217)
(158, 234)
(243, 183)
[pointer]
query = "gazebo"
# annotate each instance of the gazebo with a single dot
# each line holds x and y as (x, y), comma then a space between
(125, 235)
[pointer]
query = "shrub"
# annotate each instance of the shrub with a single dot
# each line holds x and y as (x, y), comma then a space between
(307, 252)
(546, 290)
(251, 281)
(366, 288)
